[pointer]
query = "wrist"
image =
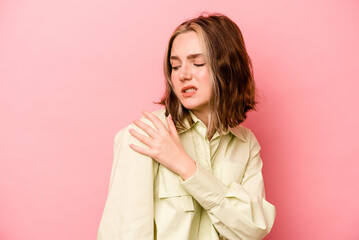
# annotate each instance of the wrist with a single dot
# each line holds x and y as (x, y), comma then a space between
(188, 168)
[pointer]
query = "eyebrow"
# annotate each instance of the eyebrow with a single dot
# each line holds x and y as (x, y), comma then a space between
(191, 56)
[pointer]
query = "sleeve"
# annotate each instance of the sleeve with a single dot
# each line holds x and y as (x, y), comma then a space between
(128, 212)
(240, 210)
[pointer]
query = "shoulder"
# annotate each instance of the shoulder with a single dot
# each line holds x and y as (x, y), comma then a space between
(245, 134)
(242, 133)
(123, 133)
(160, 113)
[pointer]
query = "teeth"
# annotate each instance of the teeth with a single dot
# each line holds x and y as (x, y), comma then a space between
(190, 90)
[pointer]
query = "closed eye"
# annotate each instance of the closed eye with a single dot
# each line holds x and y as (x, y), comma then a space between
(175, 68)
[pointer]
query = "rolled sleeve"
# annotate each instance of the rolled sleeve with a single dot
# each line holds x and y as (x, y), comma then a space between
(205, 188)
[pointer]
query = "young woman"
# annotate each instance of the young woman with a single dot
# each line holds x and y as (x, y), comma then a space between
(191, 170)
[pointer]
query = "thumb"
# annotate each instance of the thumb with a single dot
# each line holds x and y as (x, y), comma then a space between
(171, 125)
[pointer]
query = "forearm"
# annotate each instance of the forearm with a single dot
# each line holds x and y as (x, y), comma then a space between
(236, 213)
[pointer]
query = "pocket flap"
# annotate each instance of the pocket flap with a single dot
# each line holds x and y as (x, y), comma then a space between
(171, 191)
(169, 184)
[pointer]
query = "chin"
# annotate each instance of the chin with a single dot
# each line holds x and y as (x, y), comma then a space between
(191, 106)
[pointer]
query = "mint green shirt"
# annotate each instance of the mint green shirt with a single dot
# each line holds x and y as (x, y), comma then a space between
(224, 199)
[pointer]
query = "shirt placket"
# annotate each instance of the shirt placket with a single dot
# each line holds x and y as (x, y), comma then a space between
(203, 146)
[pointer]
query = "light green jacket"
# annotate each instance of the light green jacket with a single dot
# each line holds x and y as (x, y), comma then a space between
(224, 199)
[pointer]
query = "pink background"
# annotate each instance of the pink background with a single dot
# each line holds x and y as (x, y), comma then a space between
(73, 73)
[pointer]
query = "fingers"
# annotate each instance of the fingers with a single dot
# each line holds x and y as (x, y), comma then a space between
(171, 125)
(145, 127)
(155, 120)
(140, 137)
(141, 150)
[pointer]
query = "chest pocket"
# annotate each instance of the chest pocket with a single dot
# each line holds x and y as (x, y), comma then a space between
(171, 193)
(228, 172)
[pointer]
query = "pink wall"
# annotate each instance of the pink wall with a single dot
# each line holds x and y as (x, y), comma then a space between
(72, 73)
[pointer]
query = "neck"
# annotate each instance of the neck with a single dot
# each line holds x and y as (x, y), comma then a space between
(203, 116)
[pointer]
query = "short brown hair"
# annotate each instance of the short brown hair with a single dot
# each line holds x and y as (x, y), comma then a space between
(233, 88)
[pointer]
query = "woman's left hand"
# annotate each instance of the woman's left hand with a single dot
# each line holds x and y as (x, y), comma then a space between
(165, 145)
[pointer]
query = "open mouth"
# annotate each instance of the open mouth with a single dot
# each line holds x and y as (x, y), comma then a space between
(189, 91)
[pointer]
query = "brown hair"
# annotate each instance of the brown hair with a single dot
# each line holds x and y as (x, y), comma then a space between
(233, 88)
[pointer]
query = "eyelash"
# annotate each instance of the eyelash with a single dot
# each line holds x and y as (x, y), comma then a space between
(197, 65)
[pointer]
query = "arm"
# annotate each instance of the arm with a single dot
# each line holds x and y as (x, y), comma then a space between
(128, 212)
(239, 211)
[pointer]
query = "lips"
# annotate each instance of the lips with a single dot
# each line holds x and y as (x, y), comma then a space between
(188, 87)
(190, 93)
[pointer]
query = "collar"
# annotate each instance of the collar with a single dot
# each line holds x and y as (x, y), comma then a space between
(236, 131)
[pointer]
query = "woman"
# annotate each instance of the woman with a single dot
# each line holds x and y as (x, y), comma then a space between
(190, 170)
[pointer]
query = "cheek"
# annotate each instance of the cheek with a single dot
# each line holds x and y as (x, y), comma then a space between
(206, 81)
(204, 75)
(175, 82)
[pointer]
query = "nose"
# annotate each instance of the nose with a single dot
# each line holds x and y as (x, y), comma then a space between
(185, 73)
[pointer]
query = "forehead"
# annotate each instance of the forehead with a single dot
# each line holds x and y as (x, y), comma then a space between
(185, 44)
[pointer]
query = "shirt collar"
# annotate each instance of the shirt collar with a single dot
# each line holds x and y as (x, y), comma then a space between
(201, 128)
